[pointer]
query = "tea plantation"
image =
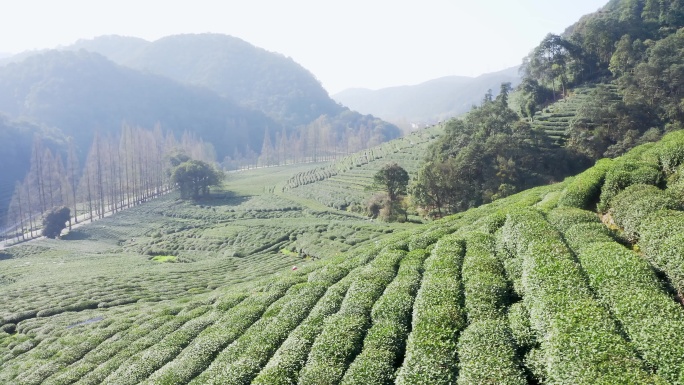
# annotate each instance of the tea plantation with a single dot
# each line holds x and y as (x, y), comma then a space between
(579, 282)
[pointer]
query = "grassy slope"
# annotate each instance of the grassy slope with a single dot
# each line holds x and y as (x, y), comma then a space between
(408, 307)
(343, 182)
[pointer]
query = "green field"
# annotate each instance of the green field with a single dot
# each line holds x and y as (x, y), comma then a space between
(343, 183)
(579, 282)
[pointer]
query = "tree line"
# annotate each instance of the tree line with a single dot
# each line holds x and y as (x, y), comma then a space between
(324, 139)
(118, 172)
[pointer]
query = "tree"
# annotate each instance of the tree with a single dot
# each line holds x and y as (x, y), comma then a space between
(55, 221)
(393, 180)
(194, 177)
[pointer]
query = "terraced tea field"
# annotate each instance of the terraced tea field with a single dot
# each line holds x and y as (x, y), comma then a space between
(575, 283)
(343, 183)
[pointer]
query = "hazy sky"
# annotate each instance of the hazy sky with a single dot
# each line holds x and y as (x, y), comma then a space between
(350, 43)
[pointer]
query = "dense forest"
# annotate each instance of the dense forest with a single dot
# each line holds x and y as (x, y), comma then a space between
(630, 54)
(636, 46)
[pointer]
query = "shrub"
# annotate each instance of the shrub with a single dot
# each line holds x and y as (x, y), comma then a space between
(565, 217)
(486, 355)
(624, 174)
(484, 282)
(632, 205)
(391, 316)
(241, 361)
(653, 322)
(438, 318)
(342, 336)
(55, 221)
(425, 238)
(670, 151)
(580, 341)
(521, 328)
(284, 366)
(585, 188)
(662, 240)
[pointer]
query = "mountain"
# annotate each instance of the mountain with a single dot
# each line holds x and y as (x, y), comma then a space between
(428, 102)
(234, 68)
(81, 92)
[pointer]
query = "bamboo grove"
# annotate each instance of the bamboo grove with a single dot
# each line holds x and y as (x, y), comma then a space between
(117, 172)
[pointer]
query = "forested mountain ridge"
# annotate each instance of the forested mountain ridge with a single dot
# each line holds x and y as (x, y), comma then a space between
(82, 92)
(232, 67)
(635, 48)
(428, 102)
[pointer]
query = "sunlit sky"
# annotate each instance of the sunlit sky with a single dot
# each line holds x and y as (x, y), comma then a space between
(351, 43)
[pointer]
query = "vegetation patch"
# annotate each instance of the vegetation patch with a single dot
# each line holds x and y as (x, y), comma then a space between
(165, 258)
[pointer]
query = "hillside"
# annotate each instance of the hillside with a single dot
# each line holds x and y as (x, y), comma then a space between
(428, 102)
(529, 279)
(17, 138)
(81, 92)
(229, 66)
(343, 184)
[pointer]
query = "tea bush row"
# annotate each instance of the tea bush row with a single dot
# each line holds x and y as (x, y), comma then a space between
(438, 318)
(391, 319)
(486, 350)
(342, 336)
(580, 342)
(662, 241)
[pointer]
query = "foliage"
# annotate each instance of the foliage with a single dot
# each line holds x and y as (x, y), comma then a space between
(624, 174)
(55, 221)
(488, 155)
(438, 318)
(661, 240)
(392, 180)
(630, 52)
(194, 178)
(585, 189)
(487, 355)
(632, 205)
(579, 340)
(342, 336)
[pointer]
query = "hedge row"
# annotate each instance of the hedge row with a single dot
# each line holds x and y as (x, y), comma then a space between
(669, 151)
(662, 240)
(633, 204)
(486, 349)
(70, 348)
(288, 360)
(114, 362)
(651, 319)
(286, 363)
(424, 239)
(342, 336)
(233, 323)
(487, 355)
(521, 328)
(624, 174)
(438, 318)
(391, 317)
(103, 352)
(198, 341)
(585, 188)
(241, 361)
(580, 342)
(140, 366)
(484, 282)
